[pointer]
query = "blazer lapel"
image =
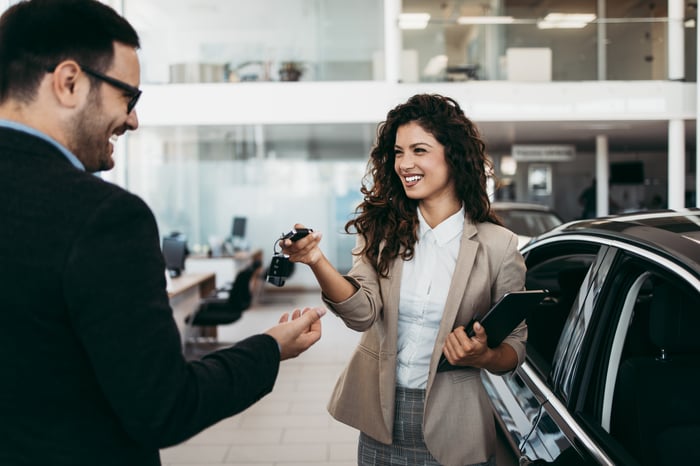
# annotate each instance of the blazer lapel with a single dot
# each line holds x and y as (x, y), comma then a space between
(390, 288)
(463, 269)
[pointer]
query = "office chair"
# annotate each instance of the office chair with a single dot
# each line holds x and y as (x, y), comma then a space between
(214, 310)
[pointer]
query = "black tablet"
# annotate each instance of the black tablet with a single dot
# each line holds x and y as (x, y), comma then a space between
(502, 318)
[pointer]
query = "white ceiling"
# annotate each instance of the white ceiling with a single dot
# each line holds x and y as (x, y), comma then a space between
(622, 136)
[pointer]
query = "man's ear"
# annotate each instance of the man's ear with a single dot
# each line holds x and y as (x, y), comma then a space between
(67, 85)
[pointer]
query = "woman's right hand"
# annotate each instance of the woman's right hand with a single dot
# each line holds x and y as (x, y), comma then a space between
(305, 250)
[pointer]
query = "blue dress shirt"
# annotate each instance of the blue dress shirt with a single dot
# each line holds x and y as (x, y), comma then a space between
(27, 129)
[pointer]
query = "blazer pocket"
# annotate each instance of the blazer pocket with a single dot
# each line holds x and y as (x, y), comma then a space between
(461, 375)
(368, 351)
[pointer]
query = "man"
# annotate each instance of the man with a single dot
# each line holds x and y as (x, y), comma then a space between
(587, 200)
(92, 368)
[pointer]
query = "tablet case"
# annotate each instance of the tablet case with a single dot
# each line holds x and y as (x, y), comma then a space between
(501, 319)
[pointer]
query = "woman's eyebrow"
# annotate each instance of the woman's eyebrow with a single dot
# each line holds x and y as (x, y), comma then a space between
(415, 144)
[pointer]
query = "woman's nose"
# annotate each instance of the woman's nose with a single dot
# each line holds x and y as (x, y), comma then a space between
(406, 162)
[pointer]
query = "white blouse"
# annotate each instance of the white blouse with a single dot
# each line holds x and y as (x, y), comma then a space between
(425, 282)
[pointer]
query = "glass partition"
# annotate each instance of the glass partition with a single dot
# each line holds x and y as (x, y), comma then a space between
(465, 40)
(198, 179)
(271, 40)
(457, 40)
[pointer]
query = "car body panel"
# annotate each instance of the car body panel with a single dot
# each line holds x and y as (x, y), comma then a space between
(563, 405)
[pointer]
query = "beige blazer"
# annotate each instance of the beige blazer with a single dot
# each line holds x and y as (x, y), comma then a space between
(457, 423)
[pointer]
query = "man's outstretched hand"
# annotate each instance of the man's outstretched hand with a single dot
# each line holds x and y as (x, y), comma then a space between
(298, 334)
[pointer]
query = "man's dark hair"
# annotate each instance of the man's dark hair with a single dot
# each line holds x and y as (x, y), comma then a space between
(36, 35)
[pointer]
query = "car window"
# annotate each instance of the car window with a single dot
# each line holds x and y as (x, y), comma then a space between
(569, 356)
(629, 395)
(560, 270)
(655, 409)
(562, 276)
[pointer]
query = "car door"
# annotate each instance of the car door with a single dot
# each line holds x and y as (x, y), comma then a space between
(532, 403)
(637, 397)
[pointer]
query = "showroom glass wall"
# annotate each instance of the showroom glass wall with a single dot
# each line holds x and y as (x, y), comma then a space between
(333, 40)
(197, 177)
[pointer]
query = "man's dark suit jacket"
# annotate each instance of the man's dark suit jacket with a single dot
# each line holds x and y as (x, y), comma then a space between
(90, 356)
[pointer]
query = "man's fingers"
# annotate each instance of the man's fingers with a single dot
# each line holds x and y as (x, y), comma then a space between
(312, 314)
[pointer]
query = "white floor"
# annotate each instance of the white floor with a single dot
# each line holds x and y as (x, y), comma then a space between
(290, 426)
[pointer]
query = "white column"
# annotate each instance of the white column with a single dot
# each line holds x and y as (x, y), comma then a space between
(676, 164)
(494, 40)
(676, 40)
(392, 41)
(602, 42)
(259, 135)
(602, 173)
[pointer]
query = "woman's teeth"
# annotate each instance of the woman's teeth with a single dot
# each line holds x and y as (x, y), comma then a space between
(411, 179)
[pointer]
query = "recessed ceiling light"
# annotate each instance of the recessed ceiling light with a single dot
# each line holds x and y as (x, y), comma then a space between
(566, 20)
(485, 20)
(413, 20)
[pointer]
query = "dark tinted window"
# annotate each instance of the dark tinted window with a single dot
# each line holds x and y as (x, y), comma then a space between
(561, 272)
(656, 407)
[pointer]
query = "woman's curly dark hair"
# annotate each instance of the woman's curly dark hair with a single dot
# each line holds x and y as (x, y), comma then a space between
(387, 215)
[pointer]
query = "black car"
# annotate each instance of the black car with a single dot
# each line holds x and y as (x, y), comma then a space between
(612, 374)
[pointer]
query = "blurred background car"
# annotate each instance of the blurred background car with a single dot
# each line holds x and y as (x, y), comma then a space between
(612, 373)
(526, 220)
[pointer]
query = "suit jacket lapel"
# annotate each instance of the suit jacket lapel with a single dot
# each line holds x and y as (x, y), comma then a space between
(463, 269)
(391, 289)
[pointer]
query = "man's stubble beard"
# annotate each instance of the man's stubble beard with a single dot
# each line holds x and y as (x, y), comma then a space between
(88, 138)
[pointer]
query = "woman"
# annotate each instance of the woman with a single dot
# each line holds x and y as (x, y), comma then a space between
(430, 256)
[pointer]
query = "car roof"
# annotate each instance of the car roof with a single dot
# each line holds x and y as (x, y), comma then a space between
(674, 234)
(504, 205)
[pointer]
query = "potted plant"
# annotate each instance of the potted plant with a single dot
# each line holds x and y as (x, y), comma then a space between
(291, 70)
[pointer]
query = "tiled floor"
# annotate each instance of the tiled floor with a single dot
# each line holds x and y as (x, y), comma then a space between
(290, 426)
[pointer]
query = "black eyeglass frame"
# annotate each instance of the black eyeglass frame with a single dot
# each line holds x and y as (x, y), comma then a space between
(134, 92)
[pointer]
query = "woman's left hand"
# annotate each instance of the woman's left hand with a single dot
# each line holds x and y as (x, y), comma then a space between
(460, 350)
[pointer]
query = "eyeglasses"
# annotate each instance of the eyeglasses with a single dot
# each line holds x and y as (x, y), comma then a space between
(132, 91)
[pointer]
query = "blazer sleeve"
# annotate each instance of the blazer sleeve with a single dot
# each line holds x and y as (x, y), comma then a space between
(510, 276)
(364, 307)
(115, 290)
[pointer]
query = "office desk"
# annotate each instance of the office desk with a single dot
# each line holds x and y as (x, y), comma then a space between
(185, 292)
(225, 267)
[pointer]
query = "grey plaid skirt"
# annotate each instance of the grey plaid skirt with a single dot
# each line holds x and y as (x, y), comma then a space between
(408, 446)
